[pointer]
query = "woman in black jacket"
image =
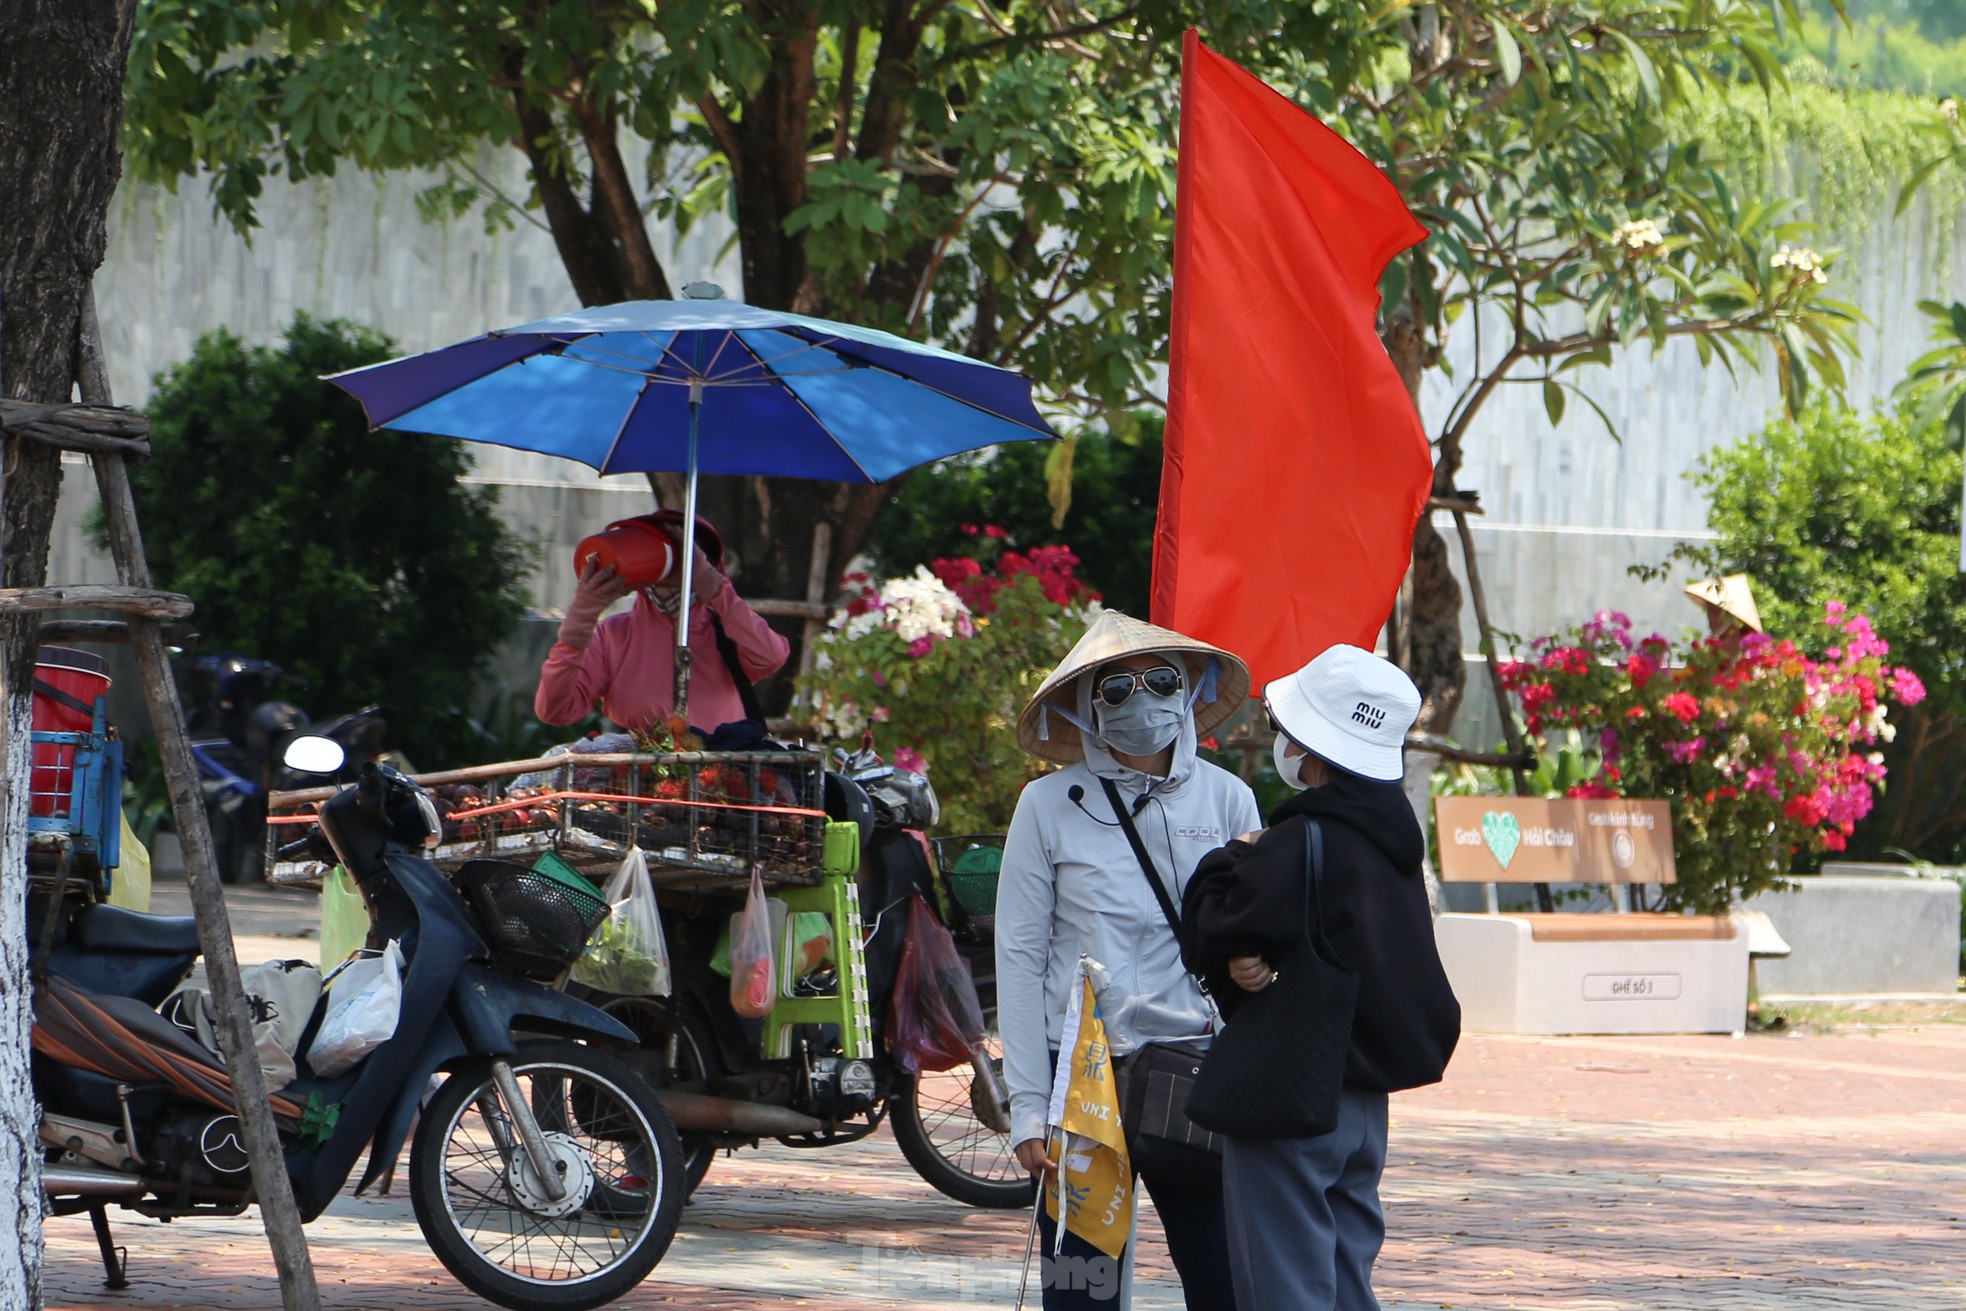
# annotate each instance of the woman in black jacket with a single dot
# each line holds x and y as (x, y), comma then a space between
(1305, 1223)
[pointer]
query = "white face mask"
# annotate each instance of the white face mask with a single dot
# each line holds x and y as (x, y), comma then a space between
(1288, 767)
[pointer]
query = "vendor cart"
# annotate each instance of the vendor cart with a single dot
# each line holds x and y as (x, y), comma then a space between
(814, 1071)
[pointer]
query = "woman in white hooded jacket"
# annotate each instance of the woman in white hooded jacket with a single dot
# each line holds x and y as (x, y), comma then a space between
(1127, 705)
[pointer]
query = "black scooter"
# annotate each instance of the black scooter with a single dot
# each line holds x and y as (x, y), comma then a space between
(239, 733)
(543, 1172)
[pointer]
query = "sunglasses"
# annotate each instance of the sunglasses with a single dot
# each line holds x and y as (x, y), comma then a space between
(1161, 680)
(1275, 727)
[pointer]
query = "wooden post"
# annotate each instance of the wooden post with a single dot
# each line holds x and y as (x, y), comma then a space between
(816, 580)
(278, 1211)
(1510, 734)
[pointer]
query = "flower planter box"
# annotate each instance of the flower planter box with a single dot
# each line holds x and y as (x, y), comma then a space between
(1862, 929)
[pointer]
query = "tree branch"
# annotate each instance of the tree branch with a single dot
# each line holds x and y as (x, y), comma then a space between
(724, 132)
(619, 207)
(1014, 40)
(843, 103)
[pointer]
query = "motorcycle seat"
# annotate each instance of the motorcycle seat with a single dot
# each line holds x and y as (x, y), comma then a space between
(113, 928)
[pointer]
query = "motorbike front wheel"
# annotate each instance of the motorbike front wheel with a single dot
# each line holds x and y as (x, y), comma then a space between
(484, 1211)
(943, 1135)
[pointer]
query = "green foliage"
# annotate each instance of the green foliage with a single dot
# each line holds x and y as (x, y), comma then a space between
(1001, 179)
(1843, 148)
(940, 685)
(1864, 507)
(1115, 493)
(146, 792)
(357, 561)
(1916, 46)
(1935, 383)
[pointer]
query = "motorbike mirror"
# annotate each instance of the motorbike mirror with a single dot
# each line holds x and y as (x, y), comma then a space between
(308, 754)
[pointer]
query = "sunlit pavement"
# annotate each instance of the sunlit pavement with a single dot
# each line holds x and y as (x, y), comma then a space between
(1765, 1173)
(1573, 1174)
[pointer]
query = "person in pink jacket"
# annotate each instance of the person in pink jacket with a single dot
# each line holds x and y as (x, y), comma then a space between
(628, 661)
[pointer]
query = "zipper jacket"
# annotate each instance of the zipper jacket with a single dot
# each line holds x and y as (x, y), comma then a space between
(1071, 885)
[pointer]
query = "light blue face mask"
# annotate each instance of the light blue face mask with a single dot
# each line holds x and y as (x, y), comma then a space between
(1140, 725)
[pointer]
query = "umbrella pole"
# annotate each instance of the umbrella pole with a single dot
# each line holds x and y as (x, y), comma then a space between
(689, 557)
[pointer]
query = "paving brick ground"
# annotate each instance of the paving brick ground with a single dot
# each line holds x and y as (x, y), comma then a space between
(1768, 1173)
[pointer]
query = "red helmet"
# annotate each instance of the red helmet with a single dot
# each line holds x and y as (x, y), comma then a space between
(643, 549)
(706, 532)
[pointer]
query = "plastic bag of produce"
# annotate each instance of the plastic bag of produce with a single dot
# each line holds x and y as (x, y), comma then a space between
(753, 971)
(934, 1016)
(629, 955)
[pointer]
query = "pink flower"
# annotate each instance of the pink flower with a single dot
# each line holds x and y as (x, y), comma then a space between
(1907, 687)
(1686, 707)
(1640, 669)
(921, 646)
(910, 759)
(1683, 753)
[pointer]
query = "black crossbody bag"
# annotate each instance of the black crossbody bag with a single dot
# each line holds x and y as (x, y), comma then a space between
(1278, 1066)
(1155, 1082)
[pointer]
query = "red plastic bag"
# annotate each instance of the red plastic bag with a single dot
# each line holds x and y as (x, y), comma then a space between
(753, 972)
(934, 1018)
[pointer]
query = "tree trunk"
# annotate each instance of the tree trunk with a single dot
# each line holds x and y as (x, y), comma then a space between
(1431, 635)
(61, 103)
(774, 136)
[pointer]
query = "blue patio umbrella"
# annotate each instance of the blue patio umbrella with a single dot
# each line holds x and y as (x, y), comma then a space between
(704, 386)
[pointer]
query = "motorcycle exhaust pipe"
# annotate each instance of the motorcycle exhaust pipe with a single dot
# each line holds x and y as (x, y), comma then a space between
(73, 1180)
(698, 1113)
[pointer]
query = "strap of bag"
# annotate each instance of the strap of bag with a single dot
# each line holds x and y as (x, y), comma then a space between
(727, 648)
(55, 694)
(1140, 854)
(1313, 876)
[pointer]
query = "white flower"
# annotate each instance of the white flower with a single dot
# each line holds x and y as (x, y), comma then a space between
(1949, 111)
(1875, 757)
(1806, 262)
(1639, 234)
(919, 606)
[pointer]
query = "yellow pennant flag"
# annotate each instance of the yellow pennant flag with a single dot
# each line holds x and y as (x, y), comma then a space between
(1095, 1179)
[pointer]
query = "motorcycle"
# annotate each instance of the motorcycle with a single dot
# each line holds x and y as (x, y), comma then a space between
(239, 732)
(543, 1171)
(952, 1126)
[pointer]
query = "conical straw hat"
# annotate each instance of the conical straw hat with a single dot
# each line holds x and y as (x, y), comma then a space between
(1113, 635)
(1733, 596)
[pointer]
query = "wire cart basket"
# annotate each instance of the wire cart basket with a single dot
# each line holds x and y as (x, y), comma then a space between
(966, 868)
(704, 819)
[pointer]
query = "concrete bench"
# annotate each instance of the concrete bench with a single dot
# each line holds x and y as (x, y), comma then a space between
(1553, 973)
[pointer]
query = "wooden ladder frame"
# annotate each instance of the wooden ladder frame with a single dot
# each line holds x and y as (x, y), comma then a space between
(112, 438)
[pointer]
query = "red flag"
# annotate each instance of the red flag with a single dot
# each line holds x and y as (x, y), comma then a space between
(1295, 464)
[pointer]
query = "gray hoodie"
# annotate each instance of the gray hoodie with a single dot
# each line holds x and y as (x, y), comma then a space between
(1071, 885)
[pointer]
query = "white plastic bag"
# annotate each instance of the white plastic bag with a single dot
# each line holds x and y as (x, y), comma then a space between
(753, 967)
(365, 999)
(628, 956)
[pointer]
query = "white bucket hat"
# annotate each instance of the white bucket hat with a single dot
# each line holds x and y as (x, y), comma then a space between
(1349, 707)
(1051, 736)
